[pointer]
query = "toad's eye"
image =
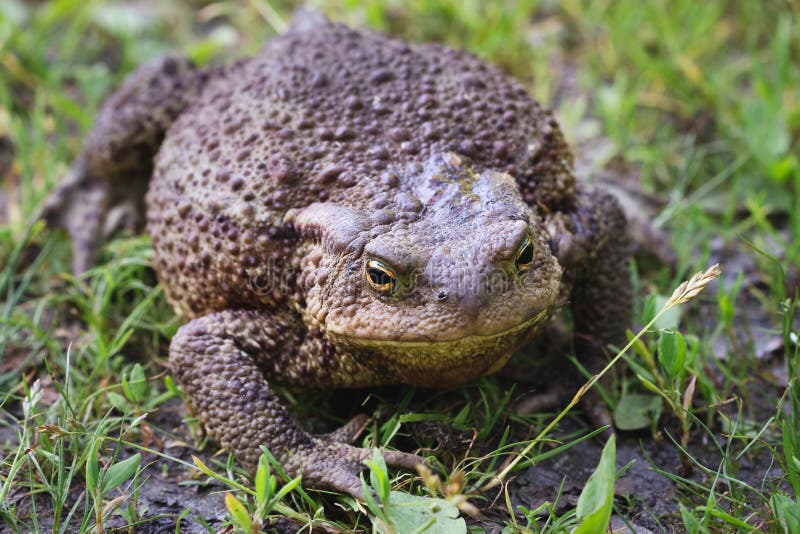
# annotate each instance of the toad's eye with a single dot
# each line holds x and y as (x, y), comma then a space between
(380, 277)
(524, 257)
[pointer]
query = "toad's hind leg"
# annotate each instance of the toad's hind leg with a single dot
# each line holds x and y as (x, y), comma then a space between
(221, 361)
(117, 157)
(601, 299)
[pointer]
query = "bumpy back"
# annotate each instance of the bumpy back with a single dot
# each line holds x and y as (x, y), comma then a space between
(321, 114)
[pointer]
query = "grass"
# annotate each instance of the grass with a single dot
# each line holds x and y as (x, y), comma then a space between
(700, 100)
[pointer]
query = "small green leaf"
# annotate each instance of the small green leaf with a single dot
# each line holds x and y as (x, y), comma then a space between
(597, 498)
(666, 351)
(635, 411)
(287, 488)
(138, 383)
(169, 382)
(389, 429)
(649, 385)
(92, 467)
(203, 467)
(672, 353)
(415, 514)
(118, 401)
(459, 421)
(238, 512)
(120, 472)
(378, 475)
(262, 474)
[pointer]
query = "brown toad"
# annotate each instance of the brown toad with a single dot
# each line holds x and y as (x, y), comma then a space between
(346, 210)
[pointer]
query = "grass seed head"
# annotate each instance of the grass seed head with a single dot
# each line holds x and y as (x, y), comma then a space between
(691, 288)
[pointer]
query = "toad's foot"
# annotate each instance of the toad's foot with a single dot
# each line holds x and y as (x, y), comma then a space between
(337, 466)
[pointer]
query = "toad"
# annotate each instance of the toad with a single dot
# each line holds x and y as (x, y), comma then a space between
(346, 210)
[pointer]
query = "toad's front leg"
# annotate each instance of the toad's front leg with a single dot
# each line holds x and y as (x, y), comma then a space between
(214, 359)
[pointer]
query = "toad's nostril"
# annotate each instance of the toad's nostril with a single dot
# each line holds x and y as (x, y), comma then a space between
(441, 296)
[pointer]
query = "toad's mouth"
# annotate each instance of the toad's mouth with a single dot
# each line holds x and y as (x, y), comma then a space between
(471, 340)
(438, 363)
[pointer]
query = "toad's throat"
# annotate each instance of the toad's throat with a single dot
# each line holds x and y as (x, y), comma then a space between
(439, 363)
